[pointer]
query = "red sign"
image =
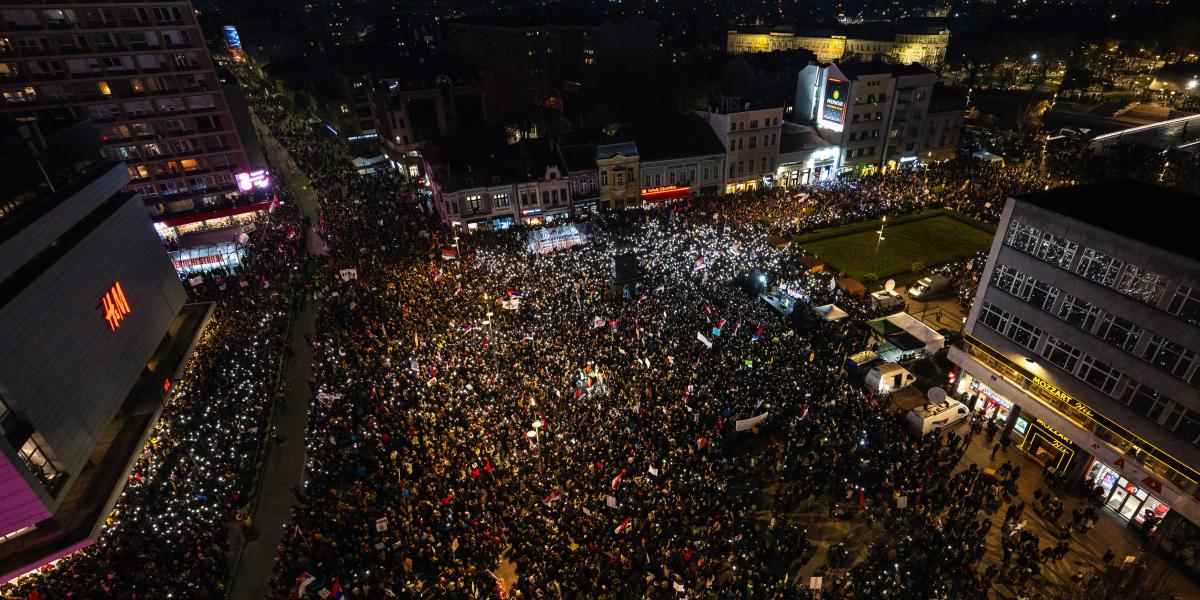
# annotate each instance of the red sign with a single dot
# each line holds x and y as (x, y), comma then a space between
(197, 261)
(114, 306)
(666, 192)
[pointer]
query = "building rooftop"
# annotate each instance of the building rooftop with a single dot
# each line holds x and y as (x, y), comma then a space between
(800, 138)
(865, 31)
(468, 163)
(676, 137)
(853, 69)
(611, 150)
(579, 158)
(1134, 209)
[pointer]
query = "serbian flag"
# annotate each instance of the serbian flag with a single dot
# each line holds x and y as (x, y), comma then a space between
(548, 500)
(616, 482)
(623, 525)
(803, 412)
(757, 334)
(699, 264)
(335, 590)
(487, 464)
(302, 582)
(862, 498)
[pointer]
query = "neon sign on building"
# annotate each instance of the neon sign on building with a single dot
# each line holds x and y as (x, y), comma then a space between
(114, 306)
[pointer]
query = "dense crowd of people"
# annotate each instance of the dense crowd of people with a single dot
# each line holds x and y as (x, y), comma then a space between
(511, 422)
(516, 423)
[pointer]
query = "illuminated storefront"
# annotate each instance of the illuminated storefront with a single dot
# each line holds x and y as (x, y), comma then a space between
(665, 194)
(1130, 500)
(238, 216)
(1031, 435)
(225, 255)
(983, 399)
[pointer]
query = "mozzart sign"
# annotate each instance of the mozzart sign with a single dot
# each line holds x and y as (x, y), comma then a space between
(114, 307)
(834, 107)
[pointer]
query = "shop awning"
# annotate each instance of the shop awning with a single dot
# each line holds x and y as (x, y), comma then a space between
(216, 214)
(665, 193)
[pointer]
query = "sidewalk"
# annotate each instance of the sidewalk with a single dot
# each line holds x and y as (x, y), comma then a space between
(1086, 548)
(284, 467)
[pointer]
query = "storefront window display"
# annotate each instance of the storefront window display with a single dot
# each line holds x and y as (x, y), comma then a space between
(985, 400)
(1126, 498)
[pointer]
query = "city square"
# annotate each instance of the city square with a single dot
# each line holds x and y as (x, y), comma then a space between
(749, 350)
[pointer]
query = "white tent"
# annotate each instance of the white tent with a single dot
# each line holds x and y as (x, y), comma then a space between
(933, 340)
(830, 312)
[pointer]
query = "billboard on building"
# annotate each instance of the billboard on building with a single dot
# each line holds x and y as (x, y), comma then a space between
(833, 107)
(233, 41)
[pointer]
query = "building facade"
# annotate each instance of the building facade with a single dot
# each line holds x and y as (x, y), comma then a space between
(1082, 344)
(878, 114)
(482, 185)
(804, 157)
(750, 135)
(924, 46)
(583, 177)
(93, 329)
(142, 73)
(425, 105)
(620, 173)
(680, 158)
(943, 125)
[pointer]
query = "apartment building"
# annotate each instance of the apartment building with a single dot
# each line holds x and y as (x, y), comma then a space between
(1082, 344)
(750, 131)
(142, 73)
(877, 113)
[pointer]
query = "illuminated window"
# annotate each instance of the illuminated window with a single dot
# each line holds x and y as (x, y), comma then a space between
(25, 94)
(189, 164)
(103, 87)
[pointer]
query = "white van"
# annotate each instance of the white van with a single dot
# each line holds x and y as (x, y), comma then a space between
(887, 300)
(887, 378)
(932, 417)
(929, 287)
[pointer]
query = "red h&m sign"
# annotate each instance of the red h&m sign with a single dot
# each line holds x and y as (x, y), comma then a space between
(114, 307)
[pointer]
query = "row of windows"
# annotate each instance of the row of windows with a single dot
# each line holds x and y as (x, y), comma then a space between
(1148, 402)
(872, 134)
(768, 139)
(1128, 279)
(1143, 399)
(673, 177)
(741, 125)
(1009, 325)
(474, 202)
(195, 184)
(747, 167)
(851, 153)
(1165, 354)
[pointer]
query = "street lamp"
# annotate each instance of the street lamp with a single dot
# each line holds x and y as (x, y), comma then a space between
(878, 241)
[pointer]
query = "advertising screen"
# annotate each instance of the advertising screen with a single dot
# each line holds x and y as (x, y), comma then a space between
(233, 41)
(833, 109)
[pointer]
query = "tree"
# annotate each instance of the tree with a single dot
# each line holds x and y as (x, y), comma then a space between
(1078, 78)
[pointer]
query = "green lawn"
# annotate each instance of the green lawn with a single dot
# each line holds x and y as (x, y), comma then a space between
(932, 239)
